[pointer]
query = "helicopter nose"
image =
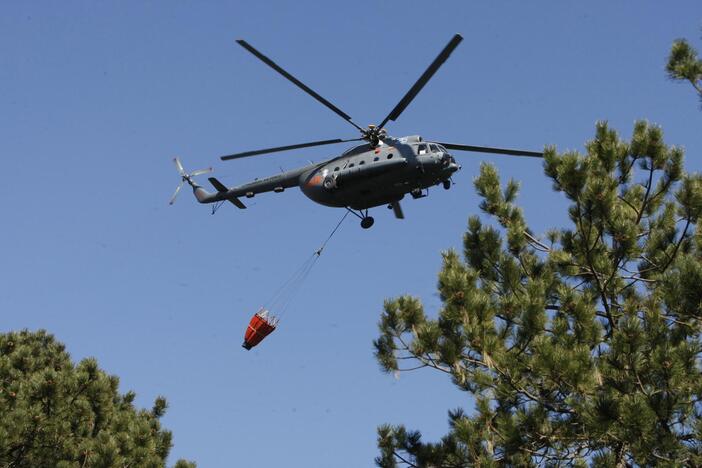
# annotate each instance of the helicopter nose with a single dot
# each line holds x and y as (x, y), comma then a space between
(453, 167)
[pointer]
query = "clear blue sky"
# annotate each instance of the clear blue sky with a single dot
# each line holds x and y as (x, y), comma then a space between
(97, 97)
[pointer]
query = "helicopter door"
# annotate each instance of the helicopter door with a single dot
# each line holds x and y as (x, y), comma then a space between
(421, 149)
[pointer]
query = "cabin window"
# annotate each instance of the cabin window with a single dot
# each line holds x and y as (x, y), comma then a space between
(336, 168)
(351, 165)
(422, 149)
(376, 158)
(361, 163)
(390, 156)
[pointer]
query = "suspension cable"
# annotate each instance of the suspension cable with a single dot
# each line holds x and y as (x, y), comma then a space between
(286, 293)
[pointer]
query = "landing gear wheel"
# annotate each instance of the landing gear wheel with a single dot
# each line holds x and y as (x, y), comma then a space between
(367, 222)
(447, 184)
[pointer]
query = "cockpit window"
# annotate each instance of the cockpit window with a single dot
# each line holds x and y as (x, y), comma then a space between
(441, 148)
(422, 149)
(434, 148)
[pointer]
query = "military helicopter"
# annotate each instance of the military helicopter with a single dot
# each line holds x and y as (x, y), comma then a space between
(380, 171)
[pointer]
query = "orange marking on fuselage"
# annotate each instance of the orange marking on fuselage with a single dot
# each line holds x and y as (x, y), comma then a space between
(316, 180)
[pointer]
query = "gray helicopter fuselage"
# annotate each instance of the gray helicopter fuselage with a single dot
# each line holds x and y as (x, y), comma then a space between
(363, 177)
(366, 176)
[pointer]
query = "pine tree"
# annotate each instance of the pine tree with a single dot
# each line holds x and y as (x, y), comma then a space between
(581, 347)
(685, 65)
(57, 414)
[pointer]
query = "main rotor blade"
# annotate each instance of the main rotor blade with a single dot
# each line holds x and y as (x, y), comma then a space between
(285, 148)
(487, 149)
(297, 82)
(426, 76)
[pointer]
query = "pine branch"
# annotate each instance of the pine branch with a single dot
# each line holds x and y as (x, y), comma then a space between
(403, 460)
(677, 246)
(536, 242)
(648, 191)
(412, 368)
(428, 361)
(628, 204)
(588, 259)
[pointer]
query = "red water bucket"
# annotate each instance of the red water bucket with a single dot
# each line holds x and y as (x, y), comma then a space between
(260, 326)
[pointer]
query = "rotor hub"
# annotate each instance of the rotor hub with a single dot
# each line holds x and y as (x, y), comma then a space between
(374, 134)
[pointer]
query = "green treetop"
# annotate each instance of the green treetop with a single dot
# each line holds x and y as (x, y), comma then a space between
(578, 348)
(60, 415)
(685, 65)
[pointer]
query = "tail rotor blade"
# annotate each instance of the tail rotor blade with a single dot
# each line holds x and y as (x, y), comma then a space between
(179, 166)
(201, 171)
(185, 177)
(173, 198)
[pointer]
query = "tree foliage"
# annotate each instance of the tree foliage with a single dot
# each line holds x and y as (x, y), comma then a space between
(57, 414)
(579, 348)
(685, 65)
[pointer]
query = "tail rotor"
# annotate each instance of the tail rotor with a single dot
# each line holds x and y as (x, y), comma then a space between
(185, 177)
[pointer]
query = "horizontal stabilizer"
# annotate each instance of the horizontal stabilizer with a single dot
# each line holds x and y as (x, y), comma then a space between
(217, 184)
(223, 188)
(237, 202)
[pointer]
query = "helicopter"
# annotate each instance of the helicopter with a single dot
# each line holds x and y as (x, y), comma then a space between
(379, 171)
